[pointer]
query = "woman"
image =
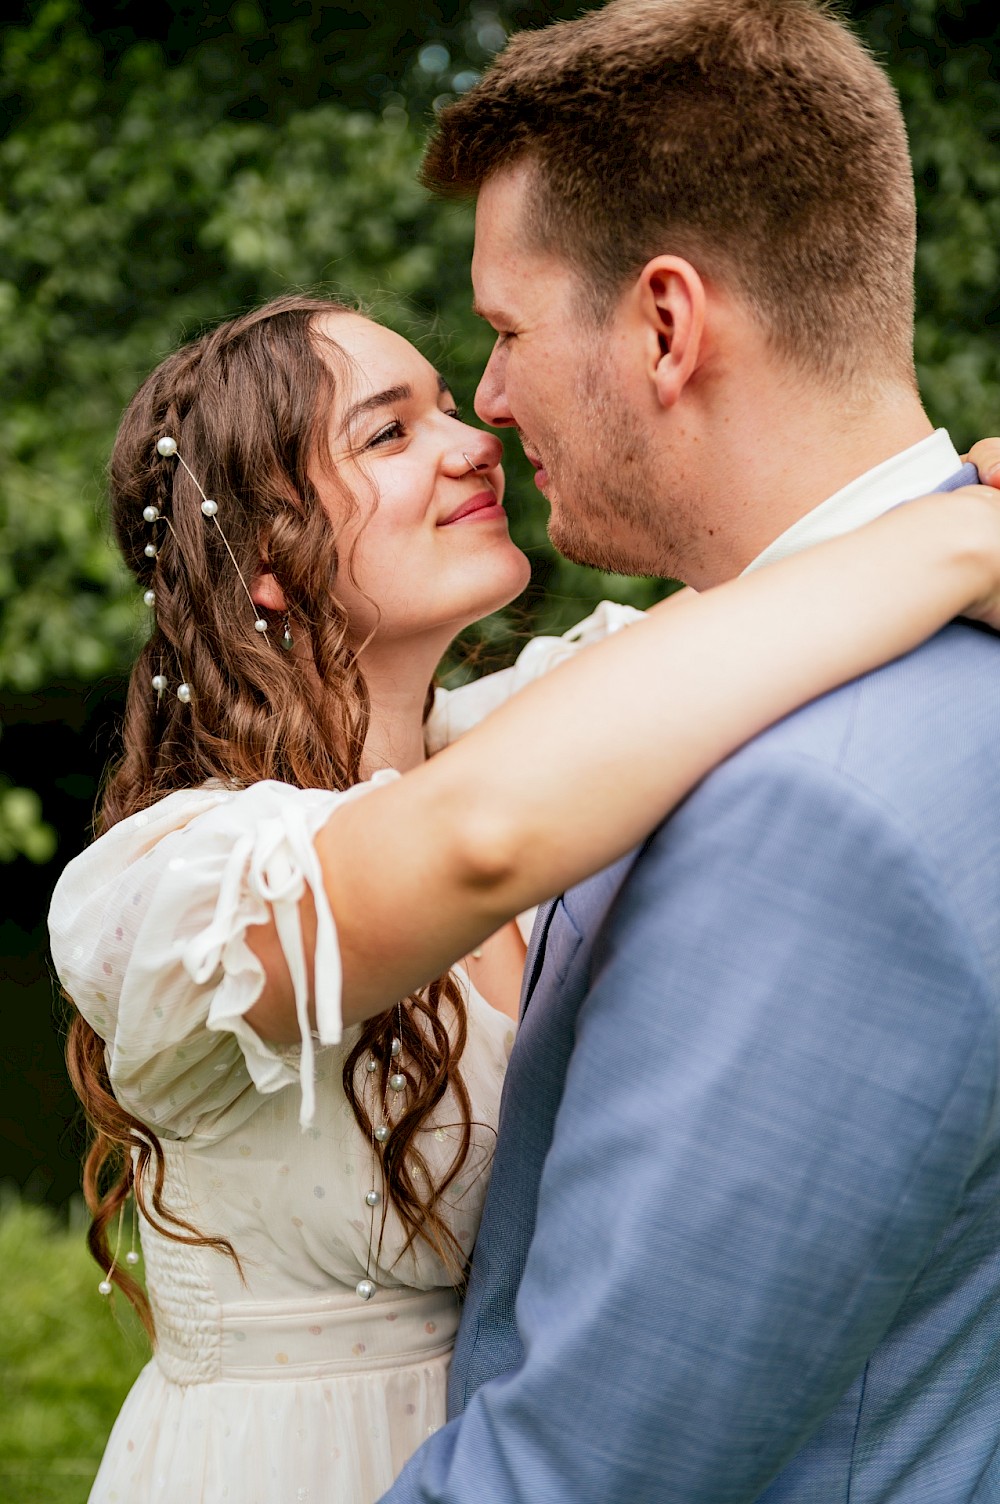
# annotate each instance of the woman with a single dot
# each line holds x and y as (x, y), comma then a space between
(312, 522)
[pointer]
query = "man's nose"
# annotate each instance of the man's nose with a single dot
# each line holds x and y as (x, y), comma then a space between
(491, 394)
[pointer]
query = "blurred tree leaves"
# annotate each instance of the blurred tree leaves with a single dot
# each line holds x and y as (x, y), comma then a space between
(163, 168)
(23, 832)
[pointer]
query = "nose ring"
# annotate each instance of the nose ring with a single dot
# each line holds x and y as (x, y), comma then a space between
(475, 468)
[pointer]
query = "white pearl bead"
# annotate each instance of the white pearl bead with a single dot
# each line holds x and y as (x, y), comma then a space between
(150, 514)
(132, 1257)
(150, 550)
(395, 1048)
(397, 1082)
(149, 596)
(373, 1198)
(210, 508)
(184, 693)
(365, 1289)
(381, 1133)
(105, 1287)
(260, 624)
(166, 446)
(159, 682)
(371, 1066)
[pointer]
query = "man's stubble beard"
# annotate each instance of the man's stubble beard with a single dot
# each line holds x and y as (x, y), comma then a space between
(617, 513)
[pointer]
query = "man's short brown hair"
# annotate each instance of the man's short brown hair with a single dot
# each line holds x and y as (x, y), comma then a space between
(756, 138)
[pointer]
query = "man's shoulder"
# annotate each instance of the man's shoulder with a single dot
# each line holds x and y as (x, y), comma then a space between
(899, 766)
(923, 714)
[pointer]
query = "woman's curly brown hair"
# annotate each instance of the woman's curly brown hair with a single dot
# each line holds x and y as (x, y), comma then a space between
(248, 405)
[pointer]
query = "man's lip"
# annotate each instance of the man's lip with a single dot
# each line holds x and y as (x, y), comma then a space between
(482, 501)
(541, 474)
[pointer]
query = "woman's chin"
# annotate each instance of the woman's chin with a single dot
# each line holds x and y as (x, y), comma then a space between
(506, 587)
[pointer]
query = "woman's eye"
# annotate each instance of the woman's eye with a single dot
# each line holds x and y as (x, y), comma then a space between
(386, 435)
(453, 412)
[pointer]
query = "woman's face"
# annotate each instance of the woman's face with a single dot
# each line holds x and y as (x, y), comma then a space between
(428, 550)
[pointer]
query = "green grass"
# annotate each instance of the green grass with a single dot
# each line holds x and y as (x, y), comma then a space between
(66, 1359)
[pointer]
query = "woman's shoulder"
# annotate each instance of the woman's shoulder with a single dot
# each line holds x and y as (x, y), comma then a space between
(148, 934)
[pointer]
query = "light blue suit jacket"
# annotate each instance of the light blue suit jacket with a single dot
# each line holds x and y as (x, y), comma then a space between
(742, 1240)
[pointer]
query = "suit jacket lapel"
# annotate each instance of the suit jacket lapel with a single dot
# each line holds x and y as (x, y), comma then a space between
(536, 951)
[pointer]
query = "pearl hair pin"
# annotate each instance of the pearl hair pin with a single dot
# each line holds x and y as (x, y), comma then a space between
(166, 448)
(131, 1258)
(365, 1288)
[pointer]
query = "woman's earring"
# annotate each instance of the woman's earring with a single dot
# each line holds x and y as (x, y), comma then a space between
(287, 640)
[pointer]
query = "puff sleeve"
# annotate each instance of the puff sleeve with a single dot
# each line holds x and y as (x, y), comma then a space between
(148, 932)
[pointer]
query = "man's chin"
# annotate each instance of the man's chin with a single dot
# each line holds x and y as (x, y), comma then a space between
(580, 547)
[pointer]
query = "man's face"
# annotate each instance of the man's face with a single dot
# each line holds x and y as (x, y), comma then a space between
(555, 377)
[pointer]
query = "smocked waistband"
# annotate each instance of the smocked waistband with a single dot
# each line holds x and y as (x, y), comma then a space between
(313, 1337)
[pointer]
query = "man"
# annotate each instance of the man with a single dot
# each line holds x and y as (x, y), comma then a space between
(742, 1240)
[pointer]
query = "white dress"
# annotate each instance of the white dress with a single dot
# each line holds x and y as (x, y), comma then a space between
(288, 1387)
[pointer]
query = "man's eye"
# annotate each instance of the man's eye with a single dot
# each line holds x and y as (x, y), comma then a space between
(386, 435)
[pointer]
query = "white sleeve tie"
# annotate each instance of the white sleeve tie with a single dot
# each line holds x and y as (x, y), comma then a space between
(276, 864)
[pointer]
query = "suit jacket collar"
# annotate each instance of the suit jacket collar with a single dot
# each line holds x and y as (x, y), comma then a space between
(536, 950)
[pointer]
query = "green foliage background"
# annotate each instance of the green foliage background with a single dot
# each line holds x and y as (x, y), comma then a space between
(146, 199)
(66, 1360)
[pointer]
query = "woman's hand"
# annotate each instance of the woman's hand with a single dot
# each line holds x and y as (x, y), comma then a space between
(981, 505)
(986, 457)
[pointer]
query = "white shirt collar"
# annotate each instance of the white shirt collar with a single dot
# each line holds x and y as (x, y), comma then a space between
(915, 472)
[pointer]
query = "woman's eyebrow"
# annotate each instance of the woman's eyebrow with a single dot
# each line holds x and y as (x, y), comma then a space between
(388, 398)
(391, 395)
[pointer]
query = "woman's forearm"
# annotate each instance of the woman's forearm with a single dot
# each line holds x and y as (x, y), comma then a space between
(578, 767)
(571, 772)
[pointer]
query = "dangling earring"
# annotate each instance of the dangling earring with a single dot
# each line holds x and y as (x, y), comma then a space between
(287, 640)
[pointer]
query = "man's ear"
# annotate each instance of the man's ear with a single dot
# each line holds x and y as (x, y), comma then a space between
(265, 590)
(671, 303)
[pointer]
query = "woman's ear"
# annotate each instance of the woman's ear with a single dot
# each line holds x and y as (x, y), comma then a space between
(265, 590)
(672, 303)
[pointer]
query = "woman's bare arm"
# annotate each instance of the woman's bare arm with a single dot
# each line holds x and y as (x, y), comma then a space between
(576, 768)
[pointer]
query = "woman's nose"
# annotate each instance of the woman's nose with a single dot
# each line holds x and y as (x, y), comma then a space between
(480, 452)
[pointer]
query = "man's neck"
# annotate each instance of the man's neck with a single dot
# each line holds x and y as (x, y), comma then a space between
(774, 472)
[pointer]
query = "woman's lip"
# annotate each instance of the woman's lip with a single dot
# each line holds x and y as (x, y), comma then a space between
(482, 504)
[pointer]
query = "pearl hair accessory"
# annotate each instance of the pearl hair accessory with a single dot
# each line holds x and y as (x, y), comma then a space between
(166, 448)
(366, 1287)
(131, 1258)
